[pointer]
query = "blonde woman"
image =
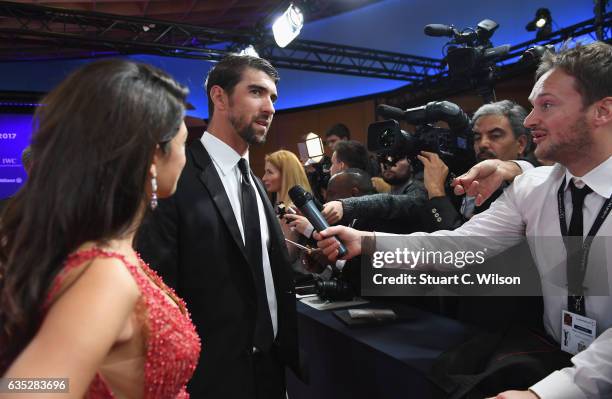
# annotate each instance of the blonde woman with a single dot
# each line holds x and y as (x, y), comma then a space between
(283, 170)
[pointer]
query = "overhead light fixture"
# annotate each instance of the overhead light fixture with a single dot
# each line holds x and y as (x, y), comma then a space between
(249, 50)
(288, 26)
(542, 23)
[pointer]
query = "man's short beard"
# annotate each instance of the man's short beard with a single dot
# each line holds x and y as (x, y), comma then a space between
(249, 135)
(247, 132)
(578, 145)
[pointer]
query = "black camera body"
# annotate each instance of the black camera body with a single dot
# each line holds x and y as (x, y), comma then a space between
(455, 145)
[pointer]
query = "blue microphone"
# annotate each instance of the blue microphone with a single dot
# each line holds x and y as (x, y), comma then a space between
(305, 203)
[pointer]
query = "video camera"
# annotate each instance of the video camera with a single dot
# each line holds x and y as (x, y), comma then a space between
(471, 55)
(455, 146)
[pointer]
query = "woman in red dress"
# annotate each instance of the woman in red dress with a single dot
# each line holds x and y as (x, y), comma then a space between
(76, 300)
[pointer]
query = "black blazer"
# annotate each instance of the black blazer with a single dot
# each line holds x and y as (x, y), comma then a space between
(194, 242)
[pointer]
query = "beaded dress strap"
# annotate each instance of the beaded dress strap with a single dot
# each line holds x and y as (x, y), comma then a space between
(76, 259)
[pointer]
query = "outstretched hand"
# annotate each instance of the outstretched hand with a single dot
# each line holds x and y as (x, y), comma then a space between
(351, 239)
(484, 178)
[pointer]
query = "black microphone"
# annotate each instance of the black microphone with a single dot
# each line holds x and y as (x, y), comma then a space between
(416, 116)
(439, 30)
(305, 203)
(390, 112)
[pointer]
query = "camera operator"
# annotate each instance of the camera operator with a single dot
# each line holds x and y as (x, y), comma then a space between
(399, 176)
(395, 148)
(499, 134)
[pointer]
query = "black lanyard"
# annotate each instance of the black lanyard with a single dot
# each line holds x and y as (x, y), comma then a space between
(586, 244)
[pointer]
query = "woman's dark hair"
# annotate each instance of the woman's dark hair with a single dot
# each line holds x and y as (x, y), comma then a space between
(96, 137)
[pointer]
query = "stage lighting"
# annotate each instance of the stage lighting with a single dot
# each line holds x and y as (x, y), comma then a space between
(249, 50)
(288, 26)
(542, 23)
(313, 148)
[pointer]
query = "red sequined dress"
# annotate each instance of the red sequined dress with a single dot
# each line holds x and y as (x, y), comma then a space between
(172, 343)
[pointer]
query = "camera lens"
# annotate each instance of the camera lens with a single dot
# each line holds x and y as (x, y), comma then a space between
(335, 290)
(387, 138)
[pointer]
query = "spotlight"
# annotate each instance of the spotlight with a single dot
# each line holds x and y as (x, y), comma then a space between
(249, 50)
(542, 23)
(288, 26)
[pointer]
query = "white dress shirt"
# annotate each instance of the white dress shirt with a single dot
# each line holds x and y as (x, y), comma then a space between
(225, 160)
(529, 208)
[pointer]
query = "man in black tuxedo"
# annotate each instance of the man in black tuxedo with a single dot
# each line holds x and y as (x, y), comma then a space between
(217, 241)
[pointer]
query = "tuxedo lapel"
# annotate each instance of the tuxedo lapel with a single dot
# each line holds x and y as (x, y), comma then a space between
(211, 181)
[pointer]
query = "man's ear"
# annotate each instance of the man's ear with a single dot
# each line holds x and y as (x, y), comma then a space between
(602, 112)
(219, 97)
(354, 192)
(522, 144)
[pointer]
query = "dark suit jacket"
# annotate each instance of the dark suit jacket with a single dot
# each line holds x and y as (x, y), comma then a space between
(442, 213)
(389, 213)
(194, 242)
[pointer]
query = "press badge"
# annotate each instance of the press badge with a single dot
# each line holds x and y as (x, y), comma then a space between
(577, 332)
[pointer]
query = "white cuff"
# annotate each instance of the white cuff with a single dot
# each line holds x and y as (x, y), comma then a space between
(558, 385)
(308, 231)
(524, 165)
(340, 264)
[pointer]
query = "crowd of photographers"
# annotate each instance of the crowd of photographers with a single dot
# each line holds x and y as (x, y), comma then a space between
(518, 331)
(567, 353)
(403, 186)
